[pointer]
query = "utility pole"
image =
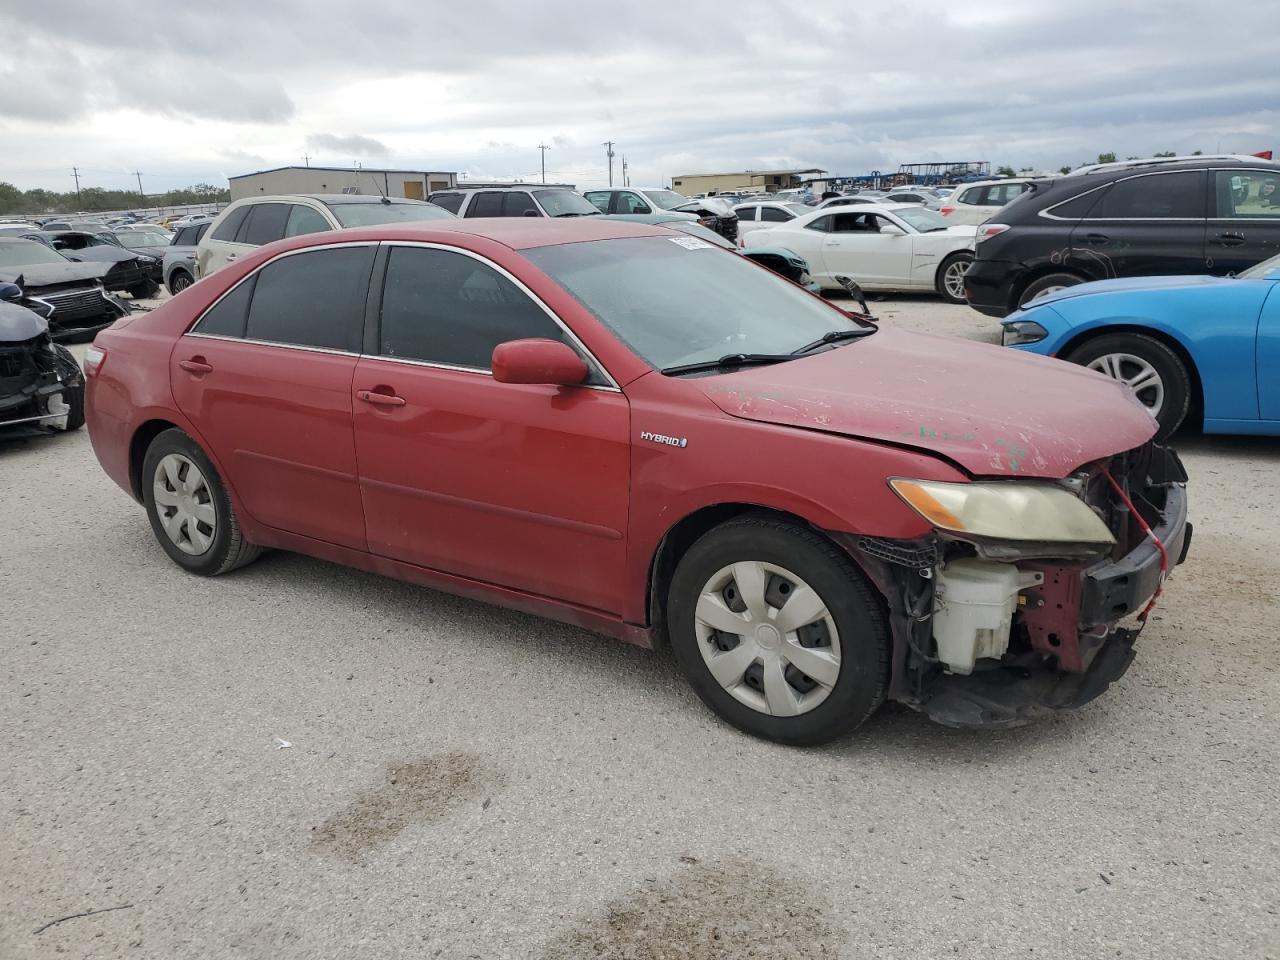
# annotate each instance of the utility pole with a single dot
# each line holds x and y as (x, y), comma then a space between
(544, 148)
(306, 158)
(608, 152)
(626, 178)
(140, 193)
(75, 172)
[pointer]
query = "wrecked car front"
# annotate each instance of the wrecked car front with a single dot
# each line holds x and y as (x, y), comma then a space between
(40, 384)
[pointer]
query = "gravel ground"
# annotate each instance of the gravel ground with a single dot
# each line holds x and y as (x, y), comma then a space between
(299, 760)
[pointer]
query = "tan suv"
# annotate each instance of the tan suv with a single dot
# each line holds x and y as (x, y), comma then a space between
(248, 224)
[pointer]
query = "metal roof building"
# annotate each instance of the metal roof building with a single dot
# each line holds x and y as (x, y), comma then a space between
(757, 181)
(415, 184)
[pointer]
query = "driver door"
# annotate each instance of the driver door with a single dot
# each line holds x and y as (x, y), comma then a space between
(858, 246)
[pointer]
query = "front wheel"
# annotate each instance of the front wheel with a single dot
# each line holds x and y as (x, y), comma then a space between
(190, 511)
(142, 291)
(1156, 374)
(950, 279)
(778, 632)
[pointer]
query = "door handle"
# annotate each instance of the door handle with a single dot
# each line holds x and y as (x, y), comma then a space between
(380, 399)
(1229, 239)
(196, 365)
(833, 243)
(1095, 238)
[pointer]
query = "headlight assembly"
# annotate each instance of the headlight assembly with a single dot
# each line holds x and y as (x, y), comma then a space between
(1035, 512)
(1022, 331)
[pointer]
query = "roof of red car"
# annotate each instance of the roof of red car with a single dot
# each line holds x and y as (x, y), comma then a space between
(519, 233)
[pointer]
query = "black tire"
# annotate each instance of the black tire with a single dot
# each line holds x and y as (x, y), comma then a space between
(142, 291)
(74, 394)
(939, 283)
(179, 280)
(854, 605)
(229, 550)
(1173, 372)
(1047, 282)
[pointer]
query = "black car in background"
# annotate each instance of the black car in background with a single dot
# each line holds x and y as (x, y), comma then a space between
(130, 272)
(1182, 215)
(80, 304)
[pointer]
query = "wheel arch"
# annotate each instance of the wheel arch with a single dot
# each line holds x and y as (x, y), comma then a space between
(683, 534)
(1080, 338)
(1043, 270)
(138, 444)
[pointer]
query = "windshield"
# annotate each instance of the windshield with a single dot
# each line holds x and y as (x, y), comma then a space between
(1260, 270)
(21, 253)
(799, 209)
(367, 214)
(565, 203)
(921, 219)
(666, 199)
(677, 300)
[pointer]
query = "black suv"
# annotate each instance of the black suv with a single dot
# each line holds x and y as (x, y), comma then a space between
(1185, 215)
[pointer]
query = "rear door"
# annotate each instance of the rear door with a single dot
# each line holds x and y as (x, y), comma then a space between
(1145, 225)
(520, 485)
(1245, 224)
(265, 376)
(485, 203)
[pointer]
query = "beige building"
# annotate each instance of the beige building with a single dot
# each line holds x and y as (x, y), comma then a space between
(756, 181)
(415, 184)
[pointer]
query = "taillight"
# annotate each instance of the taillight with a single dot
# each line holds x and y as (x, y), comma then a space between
(947, 211)
(94, 357)
(989, 230)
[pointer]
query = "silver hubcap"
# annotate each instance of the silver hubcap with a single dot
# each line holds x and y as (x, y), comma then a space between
(1141, 377)
(767, 638)
(184, 504)
(953, 279)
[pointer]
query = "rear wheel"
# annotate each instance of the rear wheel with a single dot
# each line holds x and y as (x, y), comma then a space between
(950, 280)
(1156, 374)
(190, 511)
(179, 280)
(778, 632)
(1042, 287)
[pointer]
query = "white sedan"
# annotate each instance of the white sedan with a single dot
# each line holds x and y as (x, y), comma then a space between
(882, 247)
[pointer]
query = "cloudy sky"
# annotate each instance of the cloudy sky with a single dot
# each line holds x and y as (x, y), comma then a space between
(188, 92)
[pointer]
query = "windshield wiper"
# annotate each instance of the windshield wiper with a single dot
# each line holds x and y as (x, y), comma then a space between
(572, 213)
(730, 360)
(835, 336)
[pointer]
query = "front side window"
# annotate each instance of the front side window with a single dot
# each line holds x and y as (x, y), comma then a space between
(230, 225)
(312, 299)
(565, 203)
(822, 224)
(1161, 196)
(775, 214)
(303, 220)
(972, 197)
(1247, 194)
(265, 224)
(922, 220)
(665, 199)
(599, 199)
(746, 213)
(386, 211)
(674, 305)
(444, 307)
(631, 203)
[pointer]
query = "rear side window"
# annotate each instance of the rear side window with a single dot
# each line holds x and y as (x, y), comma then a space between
(447, 308)
(265, 223)
(228, 316)
(1001, 193)
(450, 201)
(201, 229)
(486, 204)
(303, 220)
(312, 299)
(1162, 196)
(517, 203)
(229, 227)
(774, 215)
(186, 237)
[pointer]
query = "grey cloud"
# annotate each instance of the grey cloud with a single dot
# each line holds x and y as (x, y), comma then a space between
(353, 144)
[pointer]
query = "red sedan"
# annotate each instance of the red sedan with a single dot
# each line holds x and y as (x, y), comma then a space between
(628, 429)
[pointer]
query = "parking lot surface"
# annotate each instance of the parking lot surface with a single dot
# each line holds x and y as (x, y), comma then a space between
(301, 760)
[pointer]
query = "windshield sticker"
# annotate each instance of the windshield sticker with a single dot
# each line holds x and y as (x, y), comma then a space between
(692, 243)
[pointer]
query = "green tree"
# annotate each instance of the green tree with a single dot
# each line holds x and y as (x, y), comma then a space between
(1064, 170)
(1106, 158)
(1005, 171)
(1164, 153)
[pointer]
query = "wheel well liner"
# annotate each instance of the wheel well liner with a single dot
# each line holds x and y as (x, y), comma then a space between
(142, 438)
(1197, 388)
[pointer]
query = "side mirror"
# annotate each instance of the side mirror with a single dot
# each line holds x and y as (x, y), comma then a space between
(531, 213)
(889, 230)
(10, 291)
(537, 361)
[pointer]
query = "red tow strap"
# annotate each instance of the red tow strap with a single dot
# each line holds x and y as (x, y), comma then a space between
(1164, 553)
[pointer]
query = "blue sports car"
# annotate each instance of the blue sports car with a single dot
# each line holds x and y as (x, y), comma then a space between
(1190, 347)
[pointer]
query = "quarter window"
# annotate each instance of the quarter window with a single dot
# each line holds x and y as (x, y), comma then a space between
(265, 223)
(1162, 196)
(445, 307)
(312, 299)
(303, 220)
(229, 227)
(1247, 194)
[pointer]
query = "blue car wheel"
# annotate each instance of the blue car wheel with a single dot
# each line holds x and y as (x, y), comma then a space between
(1156, 374)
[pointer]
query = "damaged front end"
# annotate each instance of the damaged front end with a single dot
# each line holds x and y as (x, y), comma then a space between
(41, 386)
(1029, 596)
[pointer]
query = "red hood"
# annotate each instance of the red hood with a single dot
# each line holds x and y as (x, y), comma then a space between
(994, 411)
